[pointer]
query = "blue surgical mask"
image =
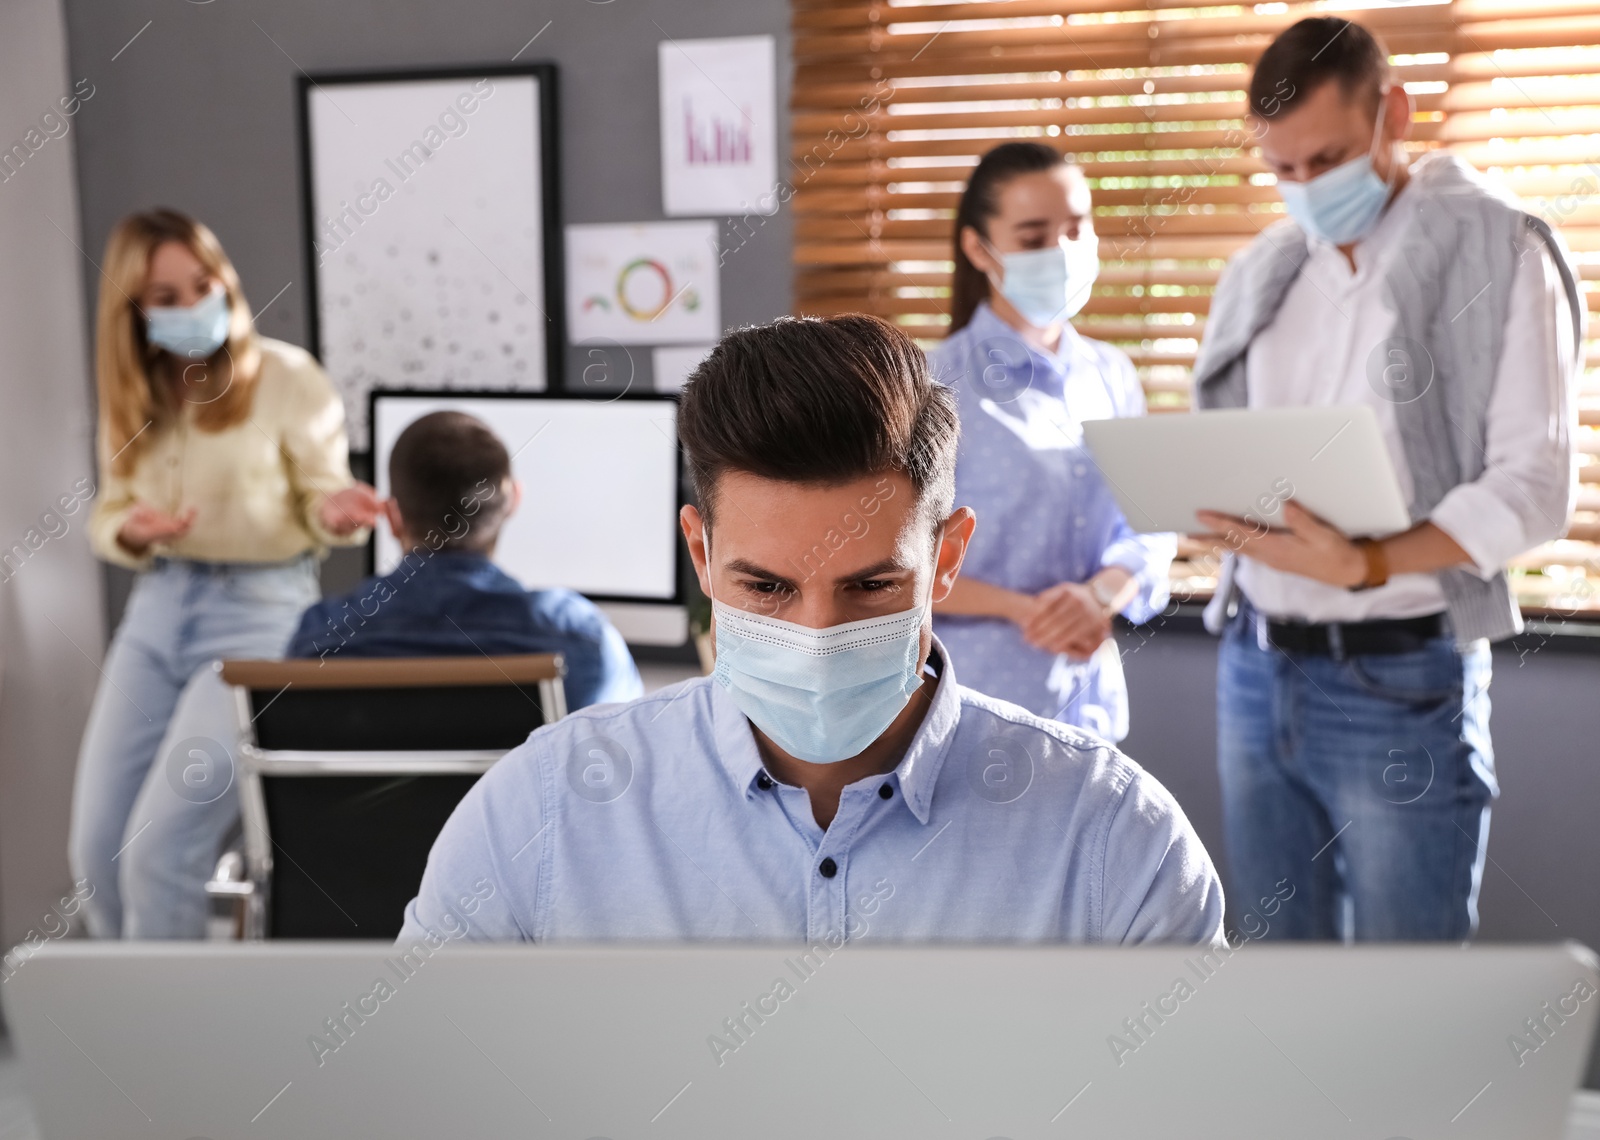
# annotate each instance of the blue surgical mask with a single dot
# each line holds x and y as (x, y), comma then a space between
(196, 331)
(821, 695)
(1343, 204)
(1050, 285)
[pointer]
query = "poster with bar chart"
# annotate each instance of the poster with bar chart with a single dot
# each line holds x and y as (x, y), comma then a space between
(718, 126)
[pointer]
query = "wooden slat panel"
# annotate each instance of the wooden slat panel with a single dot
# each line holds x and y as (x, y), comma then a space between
(1467, 61)
(887, 195)
(860, 282)
(1217, 39)
(843, 172)
(1157, 198)
(1140, 13)
(1392, 23)
(817, 151)
(815, 124)
(1155, 91)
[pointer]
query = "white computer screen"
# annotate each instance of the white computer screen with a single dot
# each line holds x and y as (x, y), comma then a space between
(599, 479)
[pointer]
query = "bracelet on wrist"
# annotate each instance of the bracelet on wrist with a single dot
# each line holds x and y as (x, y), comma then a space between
(1377, 565)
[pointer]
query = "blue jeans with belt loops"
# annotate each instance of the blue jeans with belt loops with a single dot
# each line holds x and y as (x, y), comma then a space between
(1361, 784)
(156, 793)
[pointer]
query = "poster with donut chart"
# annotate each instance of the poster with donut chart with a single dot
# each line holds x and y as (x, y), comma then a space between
(649, 283)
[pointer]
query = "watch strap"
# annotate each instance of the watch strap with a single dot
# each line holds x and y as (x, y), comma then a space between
(1377, 564)
(1103, 593)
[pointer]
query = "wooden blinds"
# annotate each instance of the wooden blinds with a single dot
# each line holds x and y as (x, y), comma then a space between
(894, 102)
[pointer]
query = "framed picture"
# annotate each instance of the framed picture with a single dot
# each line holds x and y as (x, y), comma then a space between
(432, 230)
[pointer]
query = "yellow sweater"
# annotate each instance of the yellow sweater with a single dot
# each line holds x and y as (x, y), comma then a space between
(256, 486)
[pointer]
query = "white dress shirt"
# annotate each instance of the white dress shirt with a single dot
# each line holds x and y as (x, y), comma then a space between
(1315, 352)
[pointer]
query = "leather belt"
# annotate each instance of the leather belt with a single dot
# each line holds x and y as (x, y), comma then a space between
(1349, 639)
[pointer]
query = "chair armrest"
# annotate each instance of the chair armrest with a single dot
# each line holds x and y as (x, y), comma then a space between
(229, 879)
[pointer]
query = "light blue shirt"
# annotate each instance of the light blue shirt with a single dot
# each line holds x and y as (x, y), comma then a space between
(654, 820)
(1045, 515)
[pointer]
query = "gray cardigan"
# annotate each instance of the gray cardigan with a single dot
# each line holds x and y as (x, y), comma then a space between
(1460, 253)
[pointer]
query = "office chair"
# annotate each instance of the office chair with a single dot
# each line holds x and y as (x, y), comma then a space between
(347, 772)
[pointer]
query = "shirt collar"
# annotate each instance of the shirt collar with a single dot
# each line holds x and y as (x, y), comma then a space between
(442, 561)
(917, 771)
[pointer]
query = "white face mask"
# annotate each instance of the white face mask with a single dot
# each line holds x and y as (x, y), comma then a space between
(1341, 205)
(194, 331)
(821, 695)
(1052, 284)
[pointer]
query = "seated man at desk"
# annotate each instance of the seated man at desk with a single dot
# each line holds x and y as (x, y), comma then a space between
(452, 491)
(832, 779)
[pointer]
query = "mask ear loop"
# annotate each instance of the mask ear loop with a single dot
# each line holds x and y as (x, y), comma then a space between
(927, 605)
(1377, 133)
(705, 541)
(933, 578)
(994, 286)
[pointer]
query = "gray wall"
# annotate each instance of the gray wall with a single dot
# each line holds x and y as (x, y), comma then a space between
(198, 113)
(51, 628)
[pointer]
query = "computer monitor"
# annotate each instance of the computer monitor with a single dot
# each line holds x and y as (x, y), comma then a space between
(601, 492)
(854, 1040)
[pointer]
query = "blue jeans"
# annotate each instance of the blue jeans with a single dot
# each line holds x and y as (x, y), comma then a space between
(1355, 792)
(155, 794)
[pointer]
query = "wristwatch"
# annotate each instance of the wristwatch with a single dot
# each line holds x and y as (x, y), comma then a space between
(1104, 594)
(1377, 565)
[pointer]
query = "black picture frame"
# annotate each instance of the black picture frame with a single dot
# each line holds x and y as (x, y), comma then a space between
(547, 154)
(679, 591)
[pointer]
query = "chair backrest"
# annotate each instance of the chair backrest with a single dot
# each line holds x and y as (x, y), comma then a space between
(410, 704)
(350, 850)
(350, 769)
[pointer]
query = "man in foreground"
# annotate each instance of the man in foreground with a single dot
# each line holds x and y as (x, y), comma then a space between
(831, 779)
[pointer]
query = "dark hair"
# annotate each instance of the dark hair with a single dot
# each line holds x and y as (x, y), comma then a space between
(980, 201)
(1309, 53)
(820, 400)
(447, 473)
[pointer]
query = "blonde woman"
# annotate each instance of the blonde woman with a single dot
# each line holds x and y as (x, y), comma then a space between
(224, 477)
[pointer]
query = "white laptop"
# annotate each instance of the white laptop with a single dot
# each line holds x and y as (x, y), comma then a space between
(305, 1040)
(1246, 462)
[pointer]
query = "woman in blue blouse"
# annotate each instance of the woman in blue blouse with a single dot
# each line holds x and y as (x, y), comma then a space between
(1052, 559)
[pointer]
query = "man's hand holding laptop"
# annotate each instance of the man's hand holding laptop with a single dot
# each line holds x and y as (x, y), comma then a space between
(1313, 548)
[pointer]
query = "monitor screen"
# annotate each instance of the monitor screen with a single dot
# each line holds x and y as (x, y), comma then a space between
(600, 492)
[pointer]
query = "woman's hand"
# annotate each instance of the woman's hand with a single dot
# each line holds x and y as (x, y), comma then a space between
(347, 511)
(1067, 618)
(146, 525)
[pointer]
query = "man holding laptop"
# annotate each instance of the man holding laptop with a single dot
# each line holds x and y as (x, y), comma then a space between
(1353, 734)
(832, 780)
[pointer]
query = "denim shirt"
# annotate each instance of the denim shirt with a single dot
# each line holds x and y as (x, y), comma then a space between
(655, 820)
(1045, 514)
(451, 603)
